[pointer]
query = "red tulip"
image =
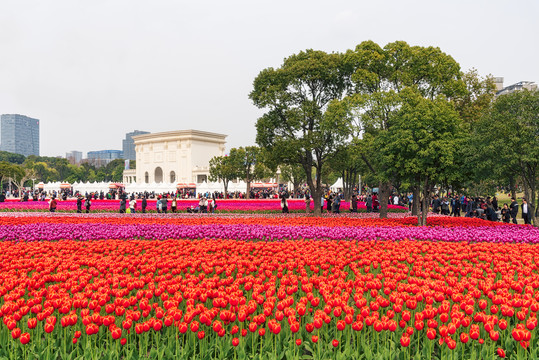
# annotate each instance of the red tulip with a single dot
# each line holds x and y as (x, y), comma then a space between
(405, 341)
(25, 338)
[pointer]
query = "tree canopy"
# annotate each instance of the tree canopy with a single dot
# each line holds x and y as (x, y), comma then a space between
(295, 128)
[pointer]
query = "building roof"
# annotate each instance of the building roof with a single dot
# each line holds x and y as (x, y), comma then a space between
(179, 135)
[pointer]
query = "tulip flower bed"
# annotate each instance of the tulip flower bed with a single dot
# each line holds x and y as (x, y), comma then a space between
(205, 287)
(236, 206)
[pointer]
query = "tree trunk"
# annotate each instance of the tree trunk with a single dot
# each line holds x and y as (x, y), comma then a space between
(425, 202)
(383, 190)
(513, 187)
(415, 201)
(248, 192)
(225, 185)
(530, 195)
(295, 184)
(315, 189)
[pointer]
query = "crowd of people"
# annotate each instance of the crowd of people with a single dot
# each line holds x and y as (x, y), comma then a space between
(486, 208)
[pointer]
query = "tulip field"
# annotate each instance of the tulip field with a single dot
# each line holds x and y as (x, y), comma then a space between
(266, 286)
(229, 205)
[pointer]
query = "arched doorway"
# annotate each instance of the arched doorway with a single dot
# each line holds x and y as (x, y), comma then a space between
(158, 175)
(172, 177)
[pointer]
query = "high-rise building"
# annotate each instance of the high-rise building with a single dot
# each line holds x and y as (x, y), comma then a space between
(128, 145)
(103, 157)
(74, 157)
(19, 134)
(521, 85)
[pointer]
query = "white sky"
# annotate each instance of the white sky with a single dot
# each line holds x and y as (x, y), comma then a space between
(92, 71)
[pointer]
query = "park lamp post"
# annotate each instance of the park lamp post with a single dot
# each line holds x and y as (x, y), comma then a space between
(33, 185)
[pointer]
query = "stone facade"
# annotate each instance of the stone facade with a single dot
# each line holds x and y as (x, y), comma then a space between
(176, 156)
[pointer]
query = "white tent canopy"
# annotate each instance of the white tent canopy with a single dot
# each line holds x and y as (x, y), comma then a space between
(338, 185)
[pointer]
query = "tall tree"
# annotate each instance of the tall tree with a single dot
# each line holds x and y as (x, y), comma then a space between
(8, 170)
(508, 138)
(225, 169)
(381, 74)
(20, 177)
(296, 96)
(348, 164)
(250, 164)
(422, 142)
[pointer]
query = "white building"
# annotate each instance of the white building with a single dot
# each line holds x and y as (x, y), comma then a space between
(174, 156)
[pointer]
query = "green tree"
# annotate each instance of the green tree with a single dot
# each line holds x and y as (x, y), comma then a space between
(296, 97)
(508, 140)
(293, 173)
(381, 74)
(225, 169)
(422, 142)
(43, 172)
(21, 176)
(12, 157)
(250, 165)
(8, 171)
(347, 163)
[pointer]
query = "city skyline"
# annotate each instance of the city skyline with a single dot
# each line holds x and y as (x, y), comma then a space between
(93, 72)
(19, 134)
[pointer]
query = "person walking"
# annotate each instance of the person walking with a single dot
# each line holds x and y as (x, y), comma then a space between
(122, 205)
(174, 205)
(368, 203)
(329, 202)
(436, 205)
(79, 204)
(337, 205)
(506, 214)
(133, 205)
(445, 206)
(158, 205)
(307, 203)
(354, 204)
(514, 210)
(144, 204)
(526, 213)
(52, 204)
(284, 205)
(88, 204)
(375, 203)
(164, 203)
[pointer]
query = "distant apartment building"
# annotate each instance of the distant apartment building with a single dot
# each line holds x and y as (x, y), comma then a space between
(103, 157)
(19, 134)
(74, 157)
(128, 145)
(521, 85)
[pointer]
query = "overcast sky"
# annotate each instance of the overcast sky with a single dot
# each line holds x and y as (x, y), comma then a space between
(93, 70)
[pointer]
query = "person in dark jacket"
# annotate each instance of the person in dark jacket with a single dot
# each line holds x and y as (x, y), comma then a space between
(88, 203)
(79, 204)
(526, 212)
(514, 210)
(164, 204)
(368, 203)
(455, 206)
(506, 214)
(354, 204)
(144, 204)
(436, 205)
(122, 206)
